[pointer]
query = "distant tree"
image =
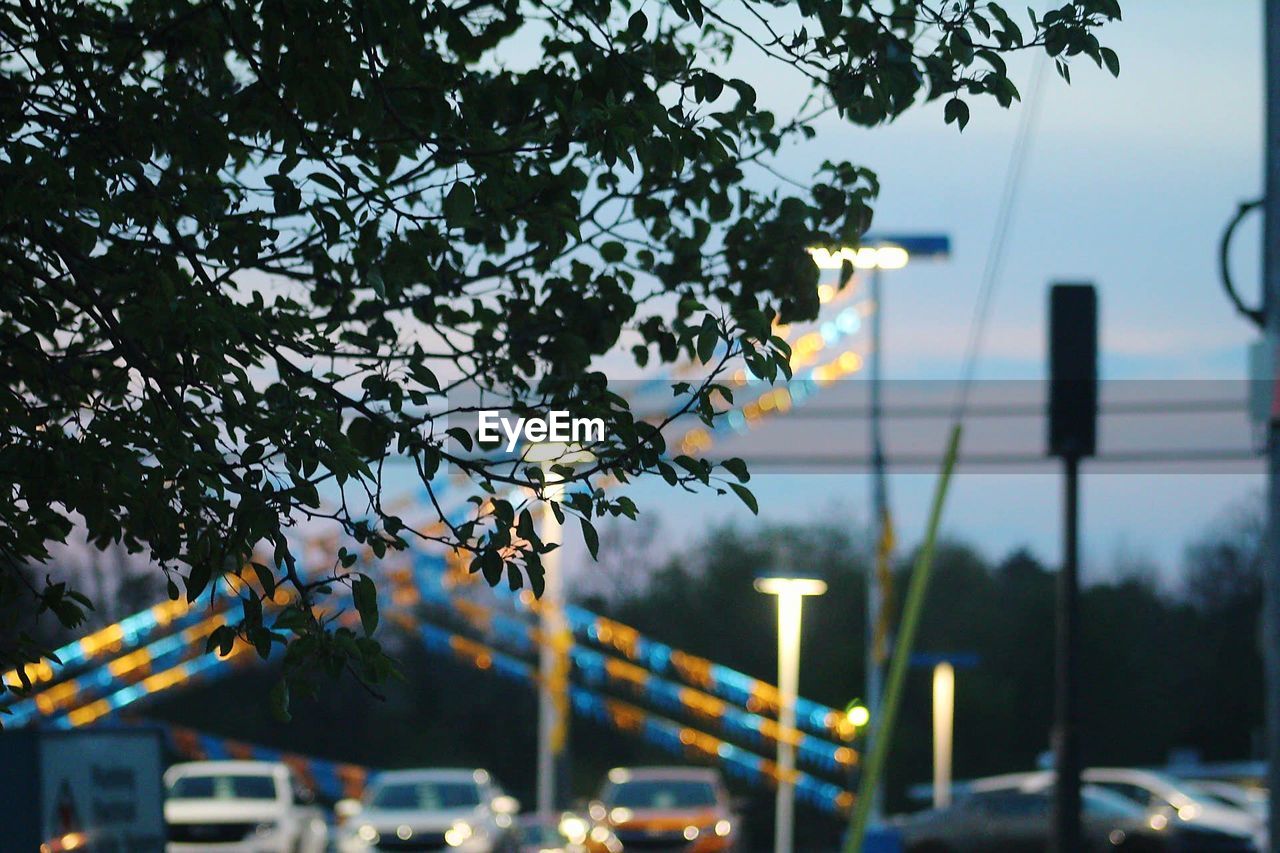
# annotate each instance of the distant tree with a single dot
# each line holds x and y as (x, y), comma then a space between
(248, 246)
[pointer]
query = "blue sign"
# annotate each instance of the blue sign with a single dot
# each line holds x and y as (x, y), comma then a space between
(919, 246)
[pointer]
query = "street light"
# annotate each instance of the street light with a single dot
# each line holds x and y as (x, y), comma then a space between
(553, 650)
(790, 591)
(877, 253)
(944, 710)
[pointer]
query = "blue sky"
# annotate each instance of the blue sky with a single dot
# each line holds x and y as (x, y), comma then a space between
(1129, 183)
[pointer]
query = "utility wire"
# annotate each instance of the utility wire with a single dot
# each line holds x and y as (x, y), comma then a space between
(1004, 216)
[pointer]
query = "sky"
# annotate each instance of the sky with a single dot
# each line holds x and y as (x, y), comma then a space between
(1128, 184)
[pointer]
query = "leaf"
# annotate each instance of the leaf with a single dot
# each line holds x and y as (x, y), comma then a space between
(266, 579)
(1112, 61)
(737, 468)
(612, 252)
(326, 180)
(637, 25)
(460, 435)
(591, 537)
(956, 111)
(365, 594)
(708, 337)
(747, 498)
(459, 204)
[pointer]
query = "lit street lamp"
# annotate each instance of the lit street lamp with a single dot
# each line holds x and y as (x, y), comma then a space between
(790, 592)
(883, 252)
(554, 636)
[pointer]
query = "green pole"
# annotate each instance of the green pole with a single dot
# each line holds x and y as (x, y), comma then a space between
(914, 603)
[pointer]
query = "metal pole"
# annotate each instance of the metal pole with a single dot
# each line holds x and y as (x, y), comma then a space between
(1066, 806)
(1271, 304)
(552, 717)
(944, 706)
(877, 647)
(789, 604)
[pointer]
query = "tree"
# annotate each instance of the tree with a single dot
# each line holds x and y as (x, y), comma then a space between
(249, 248)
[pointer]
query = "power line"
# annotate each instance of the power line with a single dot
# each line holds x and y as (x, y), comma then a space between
(1020, 410)
(1004, 217)
(928, 461)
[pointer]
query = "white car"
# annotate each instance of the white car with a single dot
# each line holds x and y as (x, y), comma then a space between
(240, 807)
(462, 810)
(1165, 798)
(1177, 800)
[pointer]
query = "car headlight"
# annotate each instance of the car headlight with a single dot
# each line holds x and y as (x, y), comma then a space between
(574, 828)
(458, 833)
(367, 833)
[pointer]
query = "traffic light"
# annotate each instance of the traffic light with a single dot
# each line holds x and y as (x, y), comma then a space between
(1073, 370)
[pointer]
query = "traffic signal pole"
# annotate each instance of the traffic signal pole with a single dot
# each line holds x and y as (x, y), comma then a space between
(1271, 307)
(1073, 427)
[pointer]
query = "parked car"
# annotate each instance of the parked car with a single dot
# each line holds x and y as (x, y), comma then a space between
(457, 810)
(1251, 800)
(671, 808)
(1015, 818)
(233, 806)
(565, 833)
(1177, 800)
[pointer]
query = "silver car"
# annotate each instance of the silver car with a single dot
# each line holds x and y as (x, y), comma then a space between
(455, 810)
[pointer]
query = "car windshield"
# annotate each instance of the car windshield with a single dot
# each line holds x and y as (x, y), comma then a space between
(426, 796)
(1102, 803)
(661, 794)
(244, 787)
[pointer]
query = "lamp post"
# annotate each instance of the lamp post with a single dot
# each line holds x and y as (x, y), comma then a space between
(878, 253)
(790, 592)
(944, 709)
(554, 636)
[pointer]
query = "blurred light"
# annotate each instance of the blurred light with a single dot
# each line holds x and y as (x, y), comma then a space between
(886, 257)
(1189, 812)
(368, 833)
(404, 832)
(690, 833)
(1158, 822)
(620, 815)
(891, 257)
(794, 586)
(850, 362)
(723, 828)
(826, 293)
(619, 775)
(600, 834)
(859, 716)
(574, 828)
(457, 834)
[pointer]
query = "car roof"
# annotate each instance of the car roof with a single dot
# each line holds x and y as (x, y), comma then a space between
(432, 774)
(1032, 781)
(248, 768)
(695, 774)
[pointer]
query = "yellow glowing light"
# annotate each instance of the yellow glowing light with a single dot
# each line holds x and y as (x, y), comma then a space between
(826, 293)
(858, 716)
(850, 362)
(887, 257)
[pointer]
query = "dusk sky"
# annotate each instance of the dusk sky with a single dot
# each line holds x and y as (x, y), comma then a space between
(1129, 183)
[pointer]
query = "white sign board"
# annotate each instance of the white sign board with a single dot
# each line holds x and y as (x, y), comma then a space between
(93, 790)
